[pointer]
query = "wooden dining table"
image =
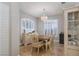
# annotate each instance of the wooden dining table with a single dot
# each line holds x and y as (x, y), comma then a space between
(43, 37)
(43, 40)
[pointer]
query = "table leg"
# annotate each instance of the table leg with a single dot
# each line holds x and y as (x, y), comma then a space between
(46, 45)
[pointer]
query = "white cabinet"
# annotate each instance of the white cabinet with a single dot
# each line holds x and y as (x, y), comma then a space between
(71, 30)
(4, 29)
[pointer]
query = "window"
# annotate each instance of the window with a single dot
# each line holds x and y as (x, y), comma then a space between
(51, 27)
(27, 25)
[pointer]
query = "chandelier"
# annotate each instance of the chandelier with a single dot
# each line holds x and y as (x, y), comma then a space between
(44, 16)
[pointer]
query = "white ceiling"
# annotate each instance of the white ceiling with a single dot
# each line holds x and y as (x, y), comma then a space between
(52, 8)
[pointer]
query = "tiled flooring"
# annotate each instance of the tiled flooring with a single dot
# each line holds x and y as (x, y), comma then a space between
(57, 50)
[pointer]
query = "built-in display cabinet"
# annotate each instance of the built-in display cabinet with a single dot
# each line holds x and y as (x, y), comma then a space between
(71, 30)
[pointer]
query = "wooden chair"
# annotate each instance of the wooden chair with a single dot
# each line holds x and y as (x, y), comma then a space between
(48, 44)
(34, 38)
(37, 45)
(22, 39)
(27, 42)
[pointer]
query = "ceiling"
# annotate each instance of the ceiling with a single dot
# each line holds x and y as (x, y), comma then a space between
(52, 8)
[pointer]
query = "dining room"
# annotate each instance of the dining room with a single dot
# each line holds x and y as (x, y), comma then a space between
(39, 29)
(40, 32)
(39, 45)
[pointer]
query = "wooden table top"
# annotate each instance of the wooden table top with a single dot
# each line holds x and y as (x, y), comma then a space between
(43, 37)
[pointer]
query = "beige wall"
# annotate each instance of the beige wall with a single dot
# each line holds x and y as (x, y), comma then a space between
(15, 29)
(10, 42)
(61, 23)
(4, 29)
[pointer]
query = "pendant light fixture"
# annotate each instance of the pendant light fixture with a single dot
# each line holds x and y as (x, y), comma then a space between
(44, 16)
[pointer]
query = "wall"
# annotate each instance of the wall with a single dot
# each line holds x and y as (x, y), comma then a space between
(4, 29)
(61, 23)
(10, 29)
(15, 28)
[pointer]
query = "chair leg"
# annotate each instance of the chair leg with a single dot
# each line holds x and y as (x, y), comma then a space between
(38, 51)
(46, 47)
(49, 47)
(43, 47)
(31, 50)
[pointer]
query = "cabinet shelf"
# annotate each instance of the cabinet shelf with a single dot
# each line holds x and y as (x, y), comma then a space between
(71, 30)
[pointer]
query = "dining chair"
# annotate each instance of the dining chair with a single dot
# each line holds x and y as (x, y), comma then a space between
(34, 38)
(27, 41)
(37, 45)
(48, 44)
(22, 39)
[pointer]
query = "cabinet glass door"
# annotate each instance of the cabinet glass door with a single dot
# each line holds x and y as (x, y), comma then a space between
(73, 28)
